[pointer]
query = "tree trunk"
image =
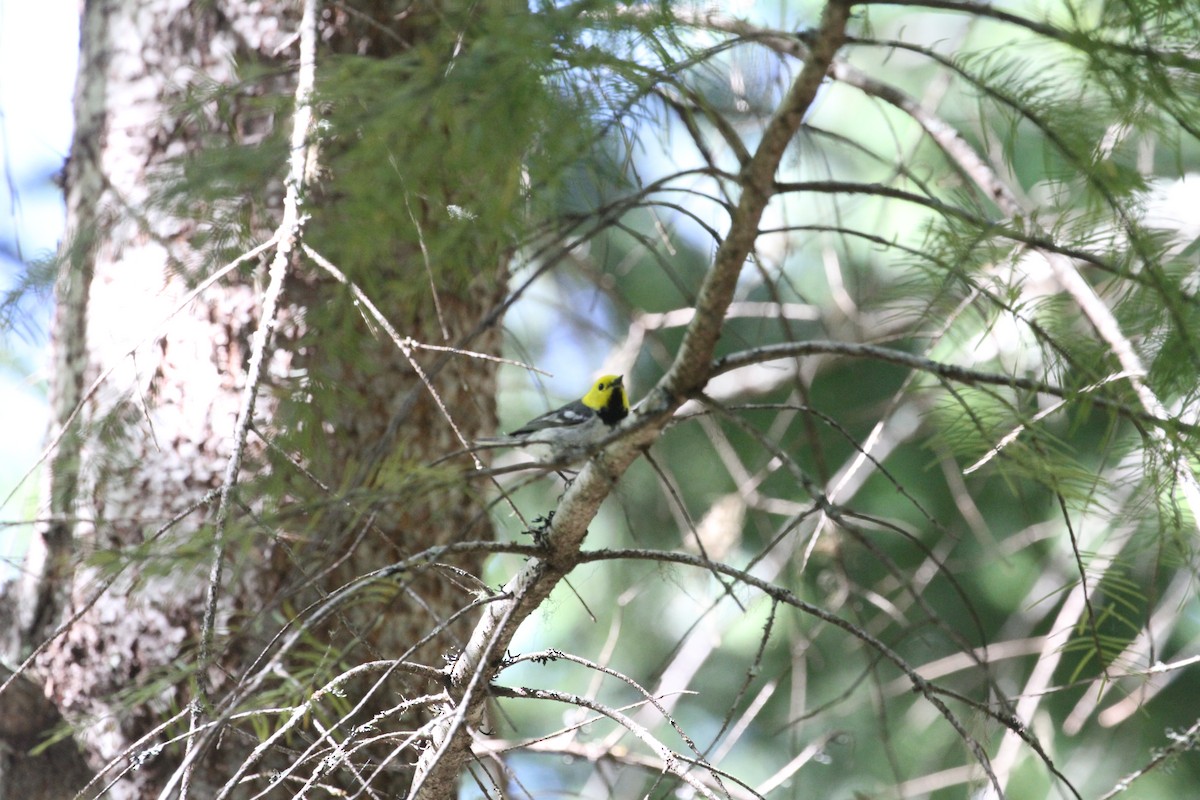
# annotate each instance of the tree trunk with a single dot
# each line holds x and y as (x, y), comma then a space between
(144, 427)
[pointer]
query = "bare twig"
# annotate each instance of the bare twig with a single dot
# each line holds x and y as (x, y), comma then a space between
(286, 237)
(440, 765)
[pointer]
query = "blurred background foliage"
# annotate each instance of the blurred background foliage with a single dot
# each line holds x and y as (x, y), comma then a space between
(979, 509)
(954, 523)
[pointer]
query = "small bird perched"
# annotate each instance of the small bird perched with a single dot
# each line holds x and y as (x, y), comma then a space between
(570, 430)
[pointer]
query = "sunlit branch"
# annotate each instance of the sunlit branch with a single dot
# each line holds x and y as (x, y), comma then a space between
(952, 372)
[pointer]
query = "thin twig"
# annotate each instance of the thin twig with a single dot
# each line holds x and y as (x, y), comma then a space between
(440, 765)
(286, 236)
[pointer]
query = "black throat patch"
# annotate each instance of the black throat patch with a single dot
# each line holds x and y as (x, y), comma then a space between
(614, 410)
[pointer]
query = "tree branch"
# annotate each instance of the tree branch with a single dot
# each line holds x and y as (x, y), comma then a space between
(441, 763)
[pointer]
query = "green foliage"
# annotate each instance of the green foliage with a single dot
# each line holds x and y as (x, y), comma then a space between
(965, 513)
(235, 173)
(945, 533)
(33, 286)
(448, 149)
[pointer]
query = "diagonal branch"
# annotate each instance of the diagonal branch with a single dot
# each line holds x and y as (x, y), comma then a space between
(441, 763)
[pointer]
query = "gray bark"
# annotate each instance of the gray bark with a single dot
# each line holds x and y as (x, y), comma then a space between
(145, 397)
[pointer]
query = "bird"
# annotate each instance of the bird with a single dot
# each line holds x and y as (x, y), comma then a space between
(570, 430)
